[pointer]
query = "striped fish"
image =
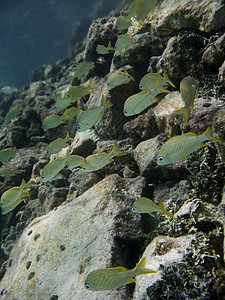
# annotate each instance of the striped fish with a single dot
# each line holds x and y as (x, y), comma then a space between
(54, 167)
(74, 161)
(111, 278)
(118, 78)
(79, 91)
(82, 69)
(152, 81)
(90, 116)
(58, 144)
(181, 146)
(10, 206)
(11, 196)
(145, 205)
(7, 154)
(142, 8)
(97, 161)
(188, 94)
(123, 41)
(140, 101)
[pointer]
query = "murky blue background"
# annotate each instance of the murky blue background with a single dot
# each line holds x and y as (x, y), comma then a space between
(36, 32)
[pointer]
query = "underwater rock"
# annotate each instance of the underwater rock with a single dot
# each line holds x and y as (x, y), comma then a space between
(139, 52)
(207, 16)
(181, 53)
(145, 154)
(63, 248)
(162, 251)
(84, 143)
(165, 113)
(221, 74)
(100, 32)
(215, 54)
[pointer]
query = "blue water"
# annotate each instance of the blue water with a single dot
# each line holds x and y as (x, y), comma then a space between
(37, 32)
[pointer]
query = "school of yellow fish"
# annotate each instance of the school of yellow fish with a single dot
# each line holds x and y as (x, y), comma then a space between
(152, 84)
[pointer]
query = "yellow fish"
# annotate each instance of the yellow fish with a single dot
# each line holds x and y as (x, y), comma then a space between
(70, 113)
(188, 94)
(11, 196)
(54, 167)
(123, 22)
(118, 78)
(140, 101)
(77, 92)
(7, 208)
(180, 147)
(6, 154)
(142, 8)
(74, 161)
(97, 161)
(111, 278)
(13, 113)
(101, 49)
(90, 116)
(145, 205)
(57, 145)
(52, 121)
(6, 172)
(63, 103)
(123, 41)
(82, 69)
(151, 81)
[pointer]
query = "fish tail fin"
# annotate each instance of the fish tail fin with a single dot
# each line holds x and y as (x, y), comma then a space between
(165, 91)
(141, 268)
(105, 103)
(116, 150)
(15, 150)
(208, 134)
(170, 82)
(183, 111)
(91, 86)
(24, 184)
(161, 206)
(68, 138)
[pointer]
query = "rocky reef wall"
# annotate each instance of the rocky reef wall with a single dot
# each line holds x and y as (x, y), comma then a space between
(78, 221)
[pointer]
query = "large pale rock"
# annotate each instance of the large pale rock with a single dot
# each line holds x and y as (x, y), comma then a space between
(57, 251)
(173, 15)
(162, 250)
(145, 154)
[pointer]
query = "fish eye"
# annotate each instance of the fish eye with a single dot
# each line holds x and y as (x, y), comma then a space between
(107, 83)
(140, 86)
(161, 158)
(78, 127)
(133, 209)
(68, 95)
(87, 286)
(83, 168)
(42, 177)
(125, 111)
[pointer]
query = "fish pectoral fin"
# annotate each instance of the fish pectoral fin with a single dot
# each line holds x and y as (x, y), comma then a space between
(186, 157)
(151, 215)
(154, 100)
(202, 145)
(111, 160)
(132, 280)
